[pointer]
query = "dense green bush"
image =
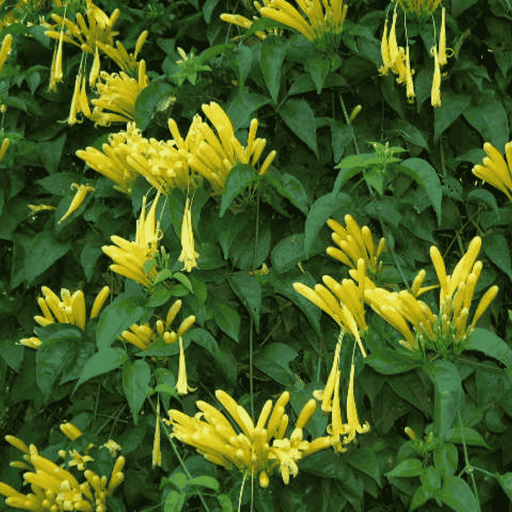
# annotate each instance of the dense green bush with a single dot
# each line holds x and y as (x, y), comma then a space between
(166, 202)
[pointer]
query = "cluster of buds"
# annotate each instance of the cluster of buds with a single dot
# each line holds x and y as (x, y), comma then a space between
(494, 169)
(69, 309)
(448, 330)
(54, 488)
(143, 336)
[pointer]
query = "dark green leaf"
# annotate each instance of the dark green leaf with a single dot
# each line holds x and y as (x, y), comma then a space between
(299, 117)
(452, 107)
(457, 494)
(102, 362)
(51, 153)
(117, 317)
(272, 52)
(390, 362)
(148, 100)
(491, 345)
(490, 120)
(318, 67)
(205, 481)
(420, 497)
(408, 467)
(497, 250)
(248, 290)
(239, 178)
(446, 458)
(365, 460)
(136, 378)
(227, 318)
(291, 188)
(288, 252)
(274, 361)
(466, 435)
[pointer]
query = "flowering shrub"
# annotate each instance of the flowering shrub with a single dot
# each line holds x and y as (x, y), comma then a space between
(185, 189)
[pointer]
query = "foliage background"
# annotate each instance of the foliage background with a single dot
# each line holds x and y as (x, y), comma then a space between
(257, 322)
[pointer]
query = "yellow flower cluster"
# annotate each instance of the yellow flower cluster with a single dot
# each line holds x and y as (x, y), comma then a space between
(447, 330)
(70, 309)
(494, 170)
(355, 243)
(256, 449)
(56, 489)
(5, 49)
(172, 163)
(397, 60)
(325, 18)
(130, 257)
(422, 9)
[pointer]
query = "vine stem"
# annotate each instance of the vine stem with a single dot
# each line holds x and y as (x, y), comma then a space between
(468, 467)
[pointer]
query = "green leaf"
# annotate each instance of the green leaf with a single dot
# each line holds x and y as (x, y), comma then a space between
(466, 435)
(365, 460)
(248, 290)
(59, 348)
(491, 345)
(318, 67)
(205, 481)
(410, 133)
(51, 153)
(174, 502)
(243, 105)
(506, 484)
(117, 317)
(342, 136)
(481, 195)
(239, 178)
(385, 210)
(321, 210)
(431, 478)
(136, 378)
(497, 250)
(290, 187)
(243, 57)
(148, 100)
(228, 228)
(457, 494)
(350, 167)
(459, 6)
(446, 458)
(448, 394)
(43, 253)
(102, 362)
(452, 107)
(407, 468)
(420, 497)
(288, 252)
(227, 318)
(391, 362)
(427, 177)
(272, 52)
(274, 360)
(299, 117)
(248, 249)
(160, 294)
(490, 120)
(89, 257)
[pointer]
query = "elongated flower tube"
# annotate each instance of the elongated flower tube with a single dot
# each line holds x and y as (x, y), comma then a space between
(3, 148)
(189, 255)
(254, 447)
(495, 170)
(130, 257)
(78, 199)
(71, 431)
(420, 8)
(5, 49)
(435, 94)
(69, 309)
(447, 331)
(126, 62)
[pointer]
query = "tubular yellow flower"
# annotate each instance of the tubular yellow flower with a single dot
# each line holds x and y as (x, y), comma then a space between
(99, 301)
(435, 95)
(3, 148)
(384, 51)
(127, 62)
(188, 254)
(78, 199)
(70, 431)
(442, 41)
(5, 50)
(408, 78)
(494, 170)
(156, 457)
(56, 68)
(353, 423)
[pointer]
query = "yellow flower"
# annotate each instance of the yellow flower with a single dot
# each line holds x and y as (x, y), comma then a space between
(421, 8)
(142, 336)
(85, 37)
(3, 148)
(435, 94)
(5, 50)
(255, 448)
(56, 67)
(447, 330)
(213, 156)
(156, 456)
(71, 431)
(130, 257)
(344, 302)
(118, 95)
(78, 199)
(55, 488)
(355, 243)
(325, 17)
(353, 423)
(70, 309)
(188, 254)
(243, 22)
(127, 62)
(34, 208)
(494, 170)
(182, 386)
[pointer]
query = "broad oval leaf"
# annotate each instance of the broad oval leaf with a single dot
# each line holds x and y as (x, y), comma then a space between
(136, 378)
(299, 117)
